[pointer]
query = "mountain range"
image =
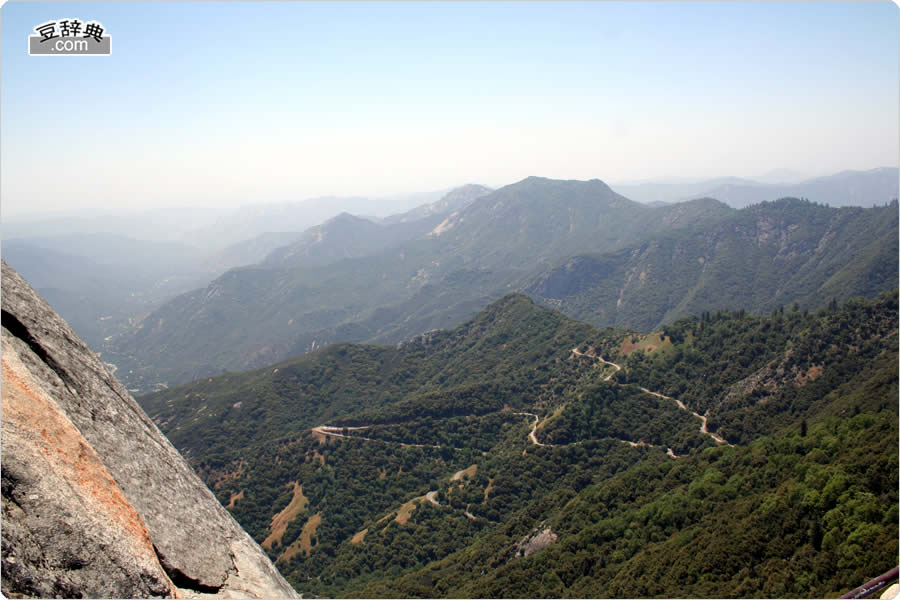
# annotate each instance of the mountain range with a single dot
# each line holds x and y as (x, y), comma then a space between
(106, 284)
(101, 282)
(847, 188)
(576, 245)
(424, 417)
(759, 258)
(348, 236)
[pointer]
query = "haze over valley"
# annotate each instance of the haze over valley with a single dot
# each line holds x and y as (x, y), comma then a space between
(429, 299)
(166, 311)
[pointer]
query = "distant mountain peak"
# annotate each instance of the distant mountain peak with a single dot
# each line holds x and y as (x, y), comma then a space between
(455, 200)
(468, 187)
(553, 181)
(566, 188)
(345, 217)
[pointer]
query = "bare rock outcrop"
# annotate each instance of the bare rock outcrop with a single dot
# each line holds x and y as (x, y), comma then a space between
(96, 501)
(537, 541)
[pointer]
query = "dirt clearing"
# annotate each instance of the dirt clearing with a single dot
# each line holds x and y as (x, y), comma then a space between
(280, 521)
(359, 537)
(235, 498)
(304, 542)
(647, 343)
(488, 489)
(405, 512)
(467, 473)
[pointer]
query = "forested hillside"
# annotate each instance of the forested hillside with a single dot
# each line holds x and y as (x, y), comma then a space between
(523, 454)
(758, 259)
(574, 245)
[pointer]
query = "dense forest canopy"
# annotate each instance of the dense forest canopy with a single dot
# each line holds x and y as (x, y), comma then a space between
(523, 454)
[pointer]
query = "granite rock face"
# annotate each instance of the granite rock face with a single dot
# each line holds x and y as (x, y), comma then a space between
(96, 501)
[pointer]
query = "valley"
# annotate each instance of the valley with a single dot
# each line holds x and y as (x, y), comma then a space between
(451, 450)
(425, 417)
(450, 299)
(575, 246)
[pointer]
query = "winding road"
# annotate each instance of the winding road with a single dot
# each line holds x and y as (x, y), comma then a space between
(718, 439)
(334, 431)
(532, 436)
(703, 420)
(576, 352)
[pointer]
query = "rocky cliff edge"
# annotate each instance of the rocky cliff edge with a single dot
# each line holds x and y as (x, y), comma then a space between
(95, 500)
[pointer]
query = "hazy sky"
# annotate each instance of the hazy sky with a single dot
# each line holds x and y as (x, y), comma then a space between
(226, 103)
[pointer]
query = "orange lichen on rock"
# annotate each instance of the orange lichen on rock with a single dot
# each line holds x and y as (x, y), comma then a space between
(37, 417)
